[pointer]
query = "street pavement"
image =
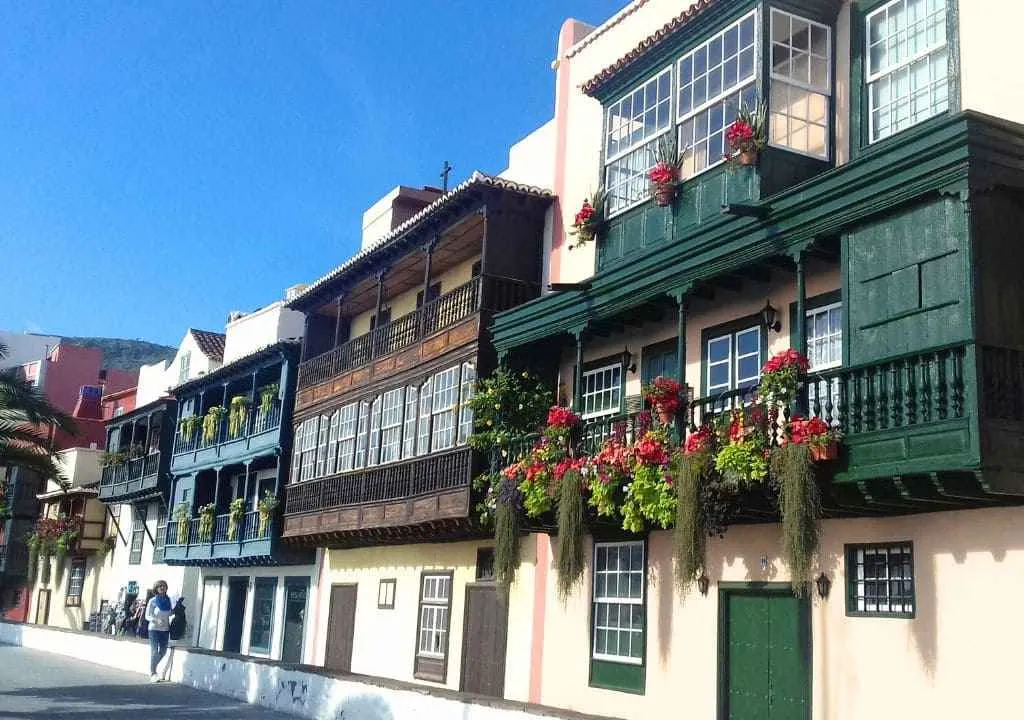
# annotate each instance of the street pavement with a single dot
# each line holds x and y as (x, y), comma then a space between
(35, 685)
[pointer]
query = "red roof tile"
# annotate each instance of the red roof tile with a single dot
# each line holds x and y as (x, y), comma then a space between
(210, 343)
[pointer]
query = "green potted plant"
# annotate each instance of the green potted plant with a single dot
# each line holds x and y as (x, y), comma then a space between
(112, 458)
(207, 519)
(746, 135)
(666, 174)
(211, 423)
(182, 513)
(268, 396)
(236, 514)
(649, 497)
(266, 507)
(742, 463)
(588, 220)
(238, 414)
(188, 426)
(107, 546)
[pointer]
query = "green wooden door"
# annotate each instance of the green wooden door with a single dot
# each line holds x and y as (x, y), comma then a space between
(765, 664)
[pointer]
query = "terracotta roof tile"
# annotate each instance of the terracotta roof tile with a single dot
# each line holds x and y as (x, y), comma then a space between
(210, 343)
(669, 29)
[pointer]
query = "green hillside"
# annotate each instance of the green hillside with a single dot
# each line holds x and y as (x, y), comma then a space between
(125, 354)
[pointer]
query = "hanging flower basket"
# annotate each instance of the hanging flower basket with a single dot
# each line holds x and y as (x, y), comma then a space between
(746, 135)
(827, 451)
(748, 157)
(664, 396)
(588, 220)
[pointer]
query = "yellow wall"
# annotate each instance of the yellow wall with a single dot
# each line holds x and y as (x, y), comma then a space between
(61, 615)
(953, 660)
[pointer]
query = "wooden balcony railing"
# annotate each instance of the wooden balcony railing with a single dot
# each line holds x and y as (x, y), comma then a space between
(395, 481)
(257, 423)
(481, 293)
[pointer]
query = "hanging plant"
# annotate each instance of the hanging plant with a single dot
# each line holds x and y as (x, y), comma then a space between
(588, 220)
(236, 514)
(799, 509)
(107, 546)
(188, 426)
(690, 470)
(112, 459)
(608, 476)
(44, 568)
(569, 555)
(780, 377)
(207, 519)
(822, 440)
(664, 396)
(211, 423)
(238, 415)
(182, 511)
(267, 505)
(746, 135)
(650, 496)
(268, 396)
(506, 533)
(33, 557)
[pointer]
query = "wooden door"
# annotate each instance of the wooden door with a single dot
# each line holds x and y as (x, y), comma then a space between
(238, 590)
(43, 606)
(765, 665)
(341, 628)
(483, 641)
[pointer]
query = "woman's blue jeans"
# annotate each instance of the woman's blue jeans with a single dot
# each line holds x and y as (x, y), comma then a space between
(157, 648)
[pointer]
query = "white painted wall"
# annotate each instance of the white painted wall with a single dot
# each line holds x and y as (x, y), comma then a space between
(989, 30)
(261, 328)
(25, 347)
(531, 161)
(155, 380)
(81, 467)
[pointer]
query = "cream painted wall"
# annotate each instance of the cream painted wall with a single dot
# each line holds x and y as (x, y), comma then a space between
(62, 615)
(989, 30)
(953, 660)
(261, 328)
(384, 643)
(81, 467)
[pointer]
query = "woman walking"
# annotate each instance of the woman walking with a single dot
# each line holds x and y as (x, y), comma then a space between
(158, 613)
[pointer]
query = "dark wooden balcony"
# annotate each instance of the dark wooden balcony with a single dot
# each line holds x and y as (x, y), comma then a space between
(449, 321)
(130, 478)
(424, 498)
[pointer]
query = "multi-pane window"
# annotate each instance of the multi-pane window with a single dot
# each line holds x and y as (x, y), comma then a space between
(465, 395)
(602, 389)
(139, 516)
(907, 65)
(423, 441)
(321, 445)
(412, 400)
(76, 581)
(183, 366)
(634, 125)
(801, 84)
(161, 534)
(435, 601)
(373, 451)
(823, 329)
(880, 579)
(264, 591)
(713, 82)
(332, 443)
(442, 421)
(362, 433)
(347, 436)
(391, 426)
(733, 360)
(309, 436)
(618, 613)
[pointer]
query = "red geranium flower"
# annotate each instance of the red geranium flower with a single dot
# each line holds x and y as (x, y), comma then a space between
(698, 441)
(562, 417)
(663, 173)
(585, 214)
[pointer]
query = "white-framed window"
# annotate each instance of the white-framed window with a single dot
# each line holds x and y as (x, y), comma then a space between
(347, 436)
(362, 433)
(618, 597)
(373, 450)
(321, 445)
(435, 602)
(824, 332)
(391, 426)
(297, 452)
(76, 582)
(733, 360)
(602, 390)
(633, 126)
(465, 395)
(907, 65)
(309, 448)
(801, 84)
(713, 81)
(423, 441)
(442, 414)
(183, 366)
(412, 400)
(332, 443)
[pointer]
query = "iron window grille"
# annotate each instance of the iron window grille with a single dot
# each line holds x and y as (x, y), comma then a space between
(76, 581)
(880, 580)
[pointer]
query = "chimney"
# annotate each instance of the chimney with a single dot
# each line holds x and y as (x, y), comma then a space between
(394, 209)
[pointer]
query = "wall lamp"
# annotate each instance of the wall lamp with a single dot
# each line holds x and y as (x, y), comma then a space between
(770, 317)
(824, 585)
(703, 582)
(627, 360)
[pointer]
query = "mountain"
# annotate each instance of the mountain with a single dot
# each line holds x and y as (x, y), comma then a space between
(121, 354)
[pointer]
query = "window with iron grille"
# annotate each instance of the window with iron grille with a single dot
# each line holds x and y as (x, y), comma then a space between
(880, 580)
(619, 604)
(432, 631)
(139, 516)
(161, 534)
(76, 581)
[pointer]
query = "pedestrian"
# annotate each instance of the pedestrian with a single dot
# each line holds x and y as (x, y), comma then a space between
(158, 615)
(179, 623)
(141, 622)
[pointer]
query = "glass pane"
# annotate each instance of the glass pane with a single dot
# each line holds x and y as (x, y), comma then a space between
(748, 341)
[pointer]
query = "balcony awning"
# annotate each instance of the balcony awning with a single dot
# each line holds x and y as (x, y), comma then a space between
(87, 492)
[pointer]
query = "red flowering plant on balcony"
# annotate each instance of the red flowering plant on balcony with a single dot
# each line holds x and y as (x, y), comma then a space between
(664, 395)
(588, 219)
(821, 439)
(699, 441)
(746, 135)
(608, 473)
(781, 375)
(666, 174)
(649, 497)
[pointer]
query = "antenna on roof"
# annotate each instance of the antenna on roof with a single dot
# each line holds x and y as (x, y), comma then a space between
(445, 170)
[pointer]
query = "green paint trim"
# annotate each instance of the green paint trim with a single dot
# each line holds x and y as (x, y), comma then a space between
(607, 674)
(733, 326)
(848, 569)
(647, 353)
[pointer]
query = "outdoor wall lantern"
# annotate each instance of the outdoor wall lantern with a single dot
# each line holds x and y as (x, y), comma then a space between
(824, 585)
(770, 317)
(627, 360)
(702, 584)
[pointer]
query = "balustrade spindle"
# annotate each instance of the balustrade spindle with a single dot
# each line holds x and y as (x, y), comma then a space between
(895, 397)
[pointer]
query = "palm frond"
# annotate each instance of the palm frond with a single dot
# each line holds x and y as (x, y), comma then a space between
(21, 397)
(40, 463)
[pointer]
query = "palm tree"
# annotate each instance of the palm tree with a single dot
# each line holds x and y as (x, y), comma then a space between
(25, 414)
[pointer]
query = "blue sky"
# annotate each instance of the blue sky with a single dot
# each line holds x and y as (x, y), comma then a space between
(164, 163)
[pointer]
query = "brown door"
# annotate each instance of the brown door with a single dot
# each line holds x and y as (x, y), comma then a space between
(341, 628)
(483, 641)
(43, 607)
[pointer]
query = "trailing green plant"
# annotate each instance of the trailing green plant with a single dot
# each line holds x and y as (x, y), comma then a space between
(207, 519)
(781, 376)
(799, 509)
(211, 423)
(268, 396)
(266, 507)
(33, 557)
(506, 534)
(236, 513)
(649, 497)
(107, 546)
(569, 555)
(689, 472)
(238, 414)
(112, 459)
(182, 514)
(742, 463)
(189, 425)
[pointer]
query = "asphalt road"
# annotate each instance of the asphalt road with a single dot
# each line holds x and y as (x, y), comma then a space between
(36, 685)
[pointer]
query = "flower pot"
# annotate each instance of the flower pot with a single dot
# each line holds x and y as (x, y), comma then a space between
(748, 157)
(821, 453)
(664, 194)
(666, 416)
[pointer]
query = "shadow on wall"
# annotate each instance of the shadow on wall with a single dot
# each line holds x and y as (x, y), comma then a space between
(364, 707)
